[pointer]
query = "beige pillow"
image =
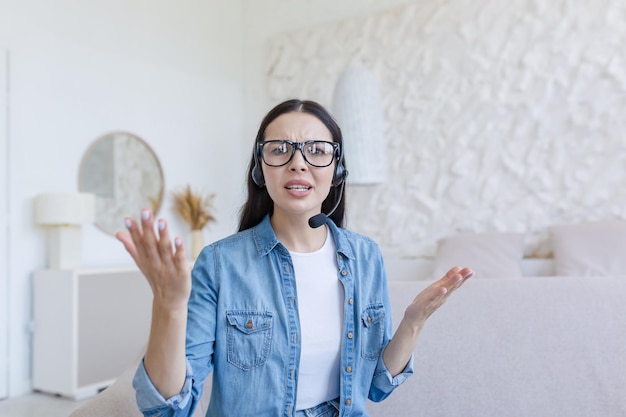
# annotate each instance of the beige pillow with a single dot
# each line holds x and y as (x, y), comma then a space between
(490, 255)
(589, 249)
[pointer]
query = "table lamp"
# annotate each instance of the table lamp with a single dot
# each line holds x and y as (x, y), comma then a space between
(62, 214)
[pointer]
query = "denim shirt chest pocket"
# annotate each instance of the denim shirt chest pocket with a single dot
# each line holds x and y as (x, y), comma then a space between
(373, 322)
(249, 336)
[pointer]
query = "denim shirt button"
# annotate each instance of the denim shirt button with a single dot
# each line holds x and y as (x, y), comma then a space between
(348, 368)
(350, 335)
(351, 301)
(344, 272)
(348, 402)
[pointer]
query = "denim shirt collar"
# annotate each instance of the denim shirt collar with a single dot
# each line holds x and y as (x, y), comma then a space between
(265, 239)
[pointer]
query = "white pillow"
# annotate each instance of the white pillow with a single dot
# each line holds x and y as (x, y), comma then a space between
(589, 249)
(490, 255)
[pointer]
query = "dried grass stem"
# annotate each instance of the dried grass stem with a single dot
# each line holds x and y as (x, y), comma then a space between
(195, 209)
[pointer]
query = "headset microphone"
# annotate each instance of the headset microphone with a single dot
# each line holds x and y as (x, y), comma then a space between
(319, 219)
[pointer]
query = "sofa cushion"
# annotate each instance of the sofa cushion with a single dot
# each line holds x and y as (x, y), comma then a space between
(490, 255)
(523, 347)
(589, 249)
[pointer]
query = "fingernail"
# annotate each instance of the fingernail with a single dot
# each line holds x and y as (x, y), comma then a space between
(161, 225)
(178, 241)
(128, 223)
(145, 214)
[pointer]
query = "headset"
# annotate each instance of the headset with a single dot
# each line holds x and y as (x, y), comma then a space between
(339, 176)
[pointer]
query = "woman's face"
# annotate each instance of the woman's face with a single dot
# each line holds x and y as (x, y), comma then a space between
(297, 188)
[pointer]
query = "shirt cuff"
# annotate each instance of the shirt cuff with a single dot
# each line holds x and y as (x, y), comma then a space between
(383, 378)
(148, 398)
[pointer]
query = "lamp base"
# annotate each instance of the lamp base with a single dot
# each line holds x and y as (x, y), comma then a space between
(64, 247)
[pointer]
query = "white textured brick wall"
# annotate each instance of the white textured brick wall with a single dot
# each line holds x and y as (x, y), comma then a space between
(506, 116)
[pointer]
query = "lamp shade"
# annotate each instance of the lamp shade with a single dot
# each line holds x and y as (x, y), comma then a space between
(358, 110)
(64, 209)
(63, 214)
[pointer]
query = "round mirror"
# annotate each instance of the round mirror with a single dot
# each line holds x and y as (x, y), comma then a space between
(125, 175)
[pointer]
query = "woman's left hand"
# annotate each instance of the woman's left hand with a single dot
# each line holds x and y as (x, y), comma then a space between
(433, 296)
(401, 346)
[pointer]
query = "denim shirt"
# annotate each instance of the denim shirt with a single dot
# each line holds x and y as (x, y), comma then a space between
(243, 326)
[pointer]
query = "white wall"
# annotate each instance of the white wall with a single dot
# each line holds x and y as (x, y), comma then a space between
(4, 239)
(170, 72)
(265, 19)
(499, 116)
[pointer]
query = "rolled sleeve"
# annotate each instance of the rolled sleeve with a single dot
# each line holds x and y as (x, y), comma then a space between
(151, 402)
(384, 383)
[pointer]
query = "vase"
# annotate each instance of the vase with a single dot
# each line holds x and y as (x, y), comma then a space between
(197, 243)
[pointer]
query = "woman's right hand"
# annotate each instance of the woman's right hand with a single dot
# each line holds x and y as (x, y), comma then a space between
(166, 269)
(167, 272)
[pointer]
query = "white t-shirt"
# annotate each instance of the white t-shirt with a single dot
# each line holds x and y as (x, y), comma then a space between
(320, 301)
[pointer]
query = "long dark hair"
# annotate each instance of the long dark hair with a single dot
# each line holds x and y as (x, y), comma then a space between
(259, 203)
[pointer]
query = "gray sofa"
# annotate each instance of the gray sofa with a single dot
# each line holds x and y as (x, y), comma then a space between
(524, 347)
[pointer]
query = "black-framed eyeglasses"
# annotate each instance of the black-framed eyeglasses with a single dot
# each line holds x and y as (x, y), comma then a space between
(317, 153)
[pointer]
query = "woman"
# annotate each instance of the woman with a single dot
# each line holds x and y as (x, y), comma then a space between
(291, 314)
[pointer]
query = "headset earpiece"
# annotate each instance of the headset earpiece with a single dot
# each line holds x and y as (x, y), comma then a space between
(340, 174)
(257, 171)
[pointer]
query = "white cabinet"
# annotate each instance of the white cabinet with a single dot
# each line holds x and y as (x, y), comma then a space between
(89, 325)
